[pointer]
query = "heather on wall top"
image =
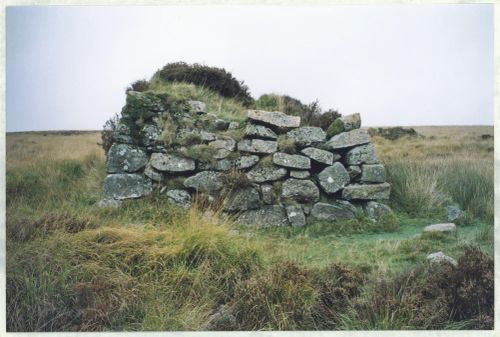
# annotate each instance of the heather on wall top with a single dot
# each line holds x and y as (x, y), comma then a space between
(265, 169)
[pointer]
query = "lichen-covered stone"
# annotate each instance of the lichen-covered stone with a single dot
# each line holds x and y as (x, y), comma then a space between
(122, 134)
(233, 126)
(454, 213)
(300, 190)
(441, 258)
(124, 158)
(245, 162)
(354, 171)
(150, 134)
(207, 136)
(374, 210)
(336, 211)
(348, 139)
(171, 163)
(206, 181)
(300, 174)
(274, 118)
(268, 215)
(351, 122)
(441, 227)
(126, 186)
(307, 135)
(333, 178)
(320, 156)
(223, 146)
(152, 174)
(374, 173)
(364, 154)
(219, 165)
(366, 192)
(197, 107)
(268, 195)
(292, 160)
(260, 174)
(243, 199)
(259, 131)
(258, 146)
(296, 215)
(181, 198)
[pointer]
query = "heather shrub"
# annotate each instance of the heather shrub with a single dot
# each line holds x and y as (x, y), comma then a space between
(139, 85)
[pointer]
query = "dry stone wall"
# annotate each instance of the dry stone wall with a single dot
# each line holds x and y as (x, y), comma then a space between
(245, 167)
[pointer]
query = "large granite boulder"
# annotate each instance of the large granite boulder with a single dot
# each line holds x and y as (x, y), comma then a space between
(351, 122)
(373, 173)
(333, 178)
(320, 156)
(364, 154)
(348, 139)
(124, 158)
(181, 198)
(171, 163)
(274, 118)
(300, 190)
(243, 199)
(366, 192)
(307, 135)
(335, 211)
(126, 186)
(258, 146)
(260, 174)
(206, 181)
(259, 131)
(292, 160)
(268, 215)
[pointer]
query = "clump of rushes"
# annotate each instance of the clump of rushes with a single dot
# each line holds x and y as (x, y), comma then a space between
(286, 145)
(235, 180)
(335, 128)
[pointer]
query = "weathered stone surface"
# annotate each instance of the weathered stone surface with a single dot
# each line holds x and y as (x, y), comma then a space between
(125, 158)
(152, 174)
(258, 146)
(233, 125)
(274, 118)
(219, 165)
(374, 210)
(224, 147)
(243, 199)
(171, 163)
(320, 156)
(262, 174)
(441, 258)
(374, 173)
(122, 134)
(351, 122)
(441, 227)
(197, 107)
(307, 135)
(259, 131)
(364, 154)
(245, 162)
(454, 213)
(207, 136)
(126, 186)
(145, 101)
(181, 198)
(348, 139)
(292, 160)
(366, 192)
(354, 171)
(296, 215)
(300, 190)
(268, 194)
(269, 215)
(206, 181)
(109, 203)
(333, 178)
(220, 125)
(151, 133)
(300, 174)
(339, 210)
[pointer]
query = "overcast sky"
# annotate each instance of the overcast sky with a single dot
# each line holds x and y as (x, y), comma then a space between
(67, 67)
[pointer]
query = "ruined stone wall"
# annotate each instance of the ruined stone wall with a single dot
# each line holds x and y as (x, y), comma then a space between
(267, 170)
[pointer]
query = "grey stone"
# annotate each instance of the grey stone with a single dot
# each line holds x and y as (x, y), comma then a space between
(245, 162)
(300, 190)
(354, 171)
(268, 215)
(197, 107)
(366, 192)
(109, 203)
(219, 165)
(243, 199)
(181, 198)
(224, 147)
(126, 186)
(259, 131)
(268, 195)
(373, 173)
(454, 213)
(125, 158)
(348, 139)
(233, 126)
(145, 101)
(364, 154)
(307, 135)
(333, 178)
(440, 227)
(300, 174)
(262, 174)
(296, 215)
(206, 181)
(292, 160)
(320, 156)
(151, 133)
(171, 163)
(274, 118)
(152, 174)
(351, 122)
(220, 125)
(441, 258)
(339, 210)
(207, 136)
(374, 210)
(258, 146)
(121, 134)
